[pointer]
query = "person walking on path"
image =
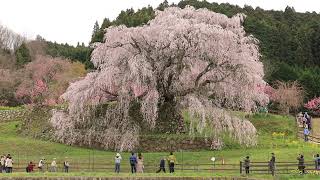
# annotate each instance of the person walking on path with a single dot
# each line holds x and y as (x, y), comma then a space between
(301, 165)
(117, 161)
(162, 166)
(317, 162)
(2, 164)
(9, 164)
(41, 165)
(66, 165)
(306, 133)
(140, 165)
(272, 163)
(172, 161)
(247, 165)
(307, 118)
(133, 163)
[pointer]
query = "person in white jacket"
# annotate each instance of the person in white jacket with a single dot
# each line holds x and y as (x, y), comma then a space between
(54, 165)
(2, 164)
(41, 165)
(117, 160)
(9, 164)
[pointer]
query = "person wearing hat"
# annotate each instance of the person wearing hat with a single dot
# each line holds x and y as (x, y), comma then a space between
(272, 163)
(54, 165)
(117, 160)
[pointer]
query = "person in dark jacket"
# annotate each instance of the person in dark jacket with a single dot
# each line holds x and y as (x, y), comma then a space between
(162, 165)
(317, 161)
(133, 163)
(272, 163)
(247, 165)
(301, 165)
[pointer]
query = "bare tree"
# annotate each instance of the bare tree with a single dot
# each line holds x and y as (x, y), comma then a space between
(289, 95)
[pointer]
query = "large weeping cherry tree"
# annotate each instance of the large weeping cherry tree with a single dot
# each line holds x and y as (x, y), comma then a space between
(183, 60)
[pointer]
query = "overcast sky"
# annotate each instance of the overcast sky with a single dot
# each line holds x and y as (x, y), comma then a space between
(72, 21)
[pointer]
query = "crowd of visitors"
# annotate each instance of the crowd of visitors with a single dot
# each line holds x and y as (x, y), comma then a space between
(6, 164)
(304, 121)
(272, 164)
(136, 162)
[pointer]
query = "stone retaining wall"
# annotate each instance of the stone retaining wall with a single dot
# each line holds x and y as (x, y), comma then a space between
(126, 178)
(158, 144)
(12, 115)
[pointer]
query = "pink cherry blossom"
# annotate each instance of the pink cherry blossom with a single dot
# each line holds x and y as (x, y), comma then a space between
(196, 60)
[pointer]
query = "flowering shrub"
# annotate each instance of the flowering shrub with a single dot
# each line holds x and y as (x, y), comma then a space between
(45, 79)
(280, 134)
(310, 172)
(313, 105)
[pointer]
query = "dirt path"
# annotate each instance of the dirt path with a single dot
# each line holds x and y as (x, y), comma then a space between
(316, 127)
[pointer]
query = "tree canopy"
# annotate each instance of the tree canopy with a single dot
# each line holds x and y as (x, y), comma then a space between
(189, 59)
(289, 43)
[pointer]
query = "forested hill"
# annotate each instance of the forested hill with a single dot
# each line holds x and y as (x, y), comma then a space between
(289, 41)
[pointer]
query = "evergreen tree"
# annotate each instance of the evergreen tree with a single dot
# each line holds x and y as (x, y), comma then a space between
(163, 5)
(96, 36)
(22, 55)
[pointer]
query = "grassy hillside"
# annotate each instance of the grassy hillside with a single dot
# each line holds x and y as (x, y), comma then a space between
(286, 147)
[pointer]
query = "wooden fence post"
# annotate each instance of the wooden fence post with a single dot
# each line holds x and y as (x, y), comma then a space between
(240, 167)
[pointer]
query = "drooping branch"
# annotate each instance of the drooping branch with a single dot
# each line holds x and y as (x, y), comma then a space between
(180, 53)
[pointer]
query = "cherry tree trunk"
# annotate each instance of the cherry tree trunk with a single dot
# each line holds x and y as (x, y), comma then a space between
(170, 119)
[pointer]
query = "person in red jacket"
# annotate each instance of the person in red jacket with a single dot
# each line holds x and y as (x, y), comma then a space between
(30, 167)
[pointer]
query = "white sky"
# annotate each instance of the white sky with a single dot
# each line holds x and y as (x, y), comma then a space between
(72, 21)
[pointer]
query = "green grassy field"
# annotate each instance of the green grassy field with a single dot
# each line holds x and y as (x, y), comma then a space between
(285, 146)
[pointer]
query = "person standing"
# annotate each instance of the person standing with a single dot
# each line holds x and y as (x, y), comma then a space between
(306, 133)
(272, 163)
(317, 162)
(301, 165)
(247, 165)
(117, 160)
(140, 165)
(162, 165)
(133, 163)
(172, 161)
(9, 164)
(41, 165)
(66, 165)
(54, 165)
(2, 164)
(307, 120)
(30, 167)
